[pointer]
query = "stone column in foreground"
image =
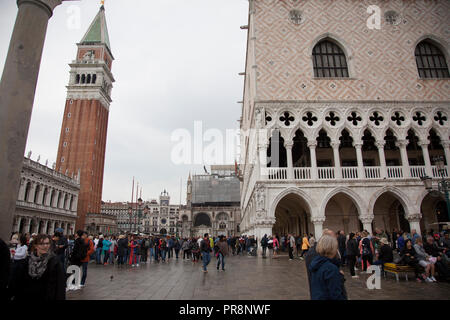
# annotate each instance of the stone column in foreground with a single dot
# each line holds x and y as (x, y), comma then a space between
(17, 89)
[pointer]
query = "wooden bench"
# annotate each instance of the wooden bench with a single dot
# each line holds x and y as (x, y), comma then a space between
(397, 269)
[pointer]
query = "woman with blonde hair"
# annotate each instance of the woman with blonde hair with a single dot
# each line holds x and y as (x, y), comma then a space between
(327, 282)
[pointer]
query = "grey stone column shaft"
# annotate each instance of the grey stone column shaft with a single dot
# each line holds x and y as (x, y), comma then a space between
(17, 89)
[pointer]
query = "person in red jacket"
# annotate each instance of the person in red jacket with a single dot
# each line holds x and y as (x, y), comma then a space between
(90, 250)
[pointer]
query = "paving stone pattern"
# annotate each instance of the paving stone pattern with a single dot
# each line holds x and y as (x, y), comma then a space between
(245, 278)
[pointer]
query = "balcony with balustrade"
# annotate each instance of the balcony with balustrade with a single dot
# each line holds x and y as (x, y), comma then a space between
(348, 160)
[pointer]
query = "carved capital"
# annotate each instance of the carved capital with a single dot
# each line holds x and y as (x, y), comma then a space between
(288, 144)
(318, 220)
(414, 217)
(312, 144)
(47, 5)
(335, 144)
(380, 144)
(366, 219)
(357, 144)
(423, 143)
(401, 143)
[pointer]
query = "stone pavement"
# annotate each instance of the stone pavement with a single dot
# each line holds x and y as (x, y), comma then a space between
(245, 278)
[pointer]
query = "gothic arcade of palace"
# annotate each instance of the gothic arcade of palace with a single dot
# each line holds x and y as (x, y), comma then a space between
(348, 118)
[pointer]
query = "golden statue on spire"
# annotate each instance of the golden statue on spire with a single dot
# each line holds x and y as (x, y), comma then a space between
(102, 2)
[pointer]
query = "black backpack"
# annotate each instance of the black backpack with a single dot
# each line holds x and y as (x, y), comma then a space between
(79, 252)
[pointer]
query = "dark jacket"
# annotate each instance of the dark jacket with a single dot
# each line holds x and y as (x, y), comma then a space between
(79, 252)
(341, 241)
(326, 280)
(50, 286)
(408, 259)
(122, 247)
(386, 254)
(61, 242)
(431, 249)
(205, 246)
(223, 247)
(5, 265)
(310, 255)
(352, 248)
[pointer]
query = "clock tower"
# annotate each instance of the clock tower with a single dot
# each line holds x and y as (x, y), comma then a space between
(82, 142)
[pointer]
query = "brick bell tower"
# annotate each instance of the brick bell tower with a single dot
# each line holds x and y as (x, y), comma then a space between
(82, 142)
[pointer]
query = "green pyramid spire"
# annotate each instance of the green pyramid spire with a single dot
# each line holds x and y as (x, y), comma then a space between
(98, 31)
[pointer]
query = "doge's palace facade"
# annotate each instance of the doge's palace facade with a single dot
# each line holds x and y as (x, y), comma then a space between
(340, 121)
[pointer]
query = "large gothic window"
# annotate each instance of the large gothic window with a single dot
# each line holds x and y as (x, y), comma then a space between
(329, 60)
(431, 61)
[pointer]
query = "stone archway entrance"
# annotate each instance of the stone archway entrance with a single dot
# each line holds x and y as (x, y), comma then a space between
(434, 213)
(389, 213)
(202, 224)
(341, 213)
(292, 215)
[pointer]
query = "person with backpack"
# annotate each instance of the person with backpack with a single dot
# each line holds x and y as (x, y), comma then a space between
(264, 244)
(366, 250)
(79, 250)
(163, 249)
(195, 249)
(186, 248)
(222, 251)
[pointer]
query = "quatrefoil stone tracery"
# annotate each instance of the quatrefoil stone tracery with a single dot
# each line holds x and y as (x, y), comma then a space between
(332, 118)
(419, 118)
(354, 118)
(287, 118)
(398, 118)
(440, 118)
(376, 118)
(309, 118)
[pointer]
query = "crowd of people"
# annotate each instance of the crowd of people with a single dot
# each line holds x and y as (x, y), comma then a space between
(38, 263)
(429, 257)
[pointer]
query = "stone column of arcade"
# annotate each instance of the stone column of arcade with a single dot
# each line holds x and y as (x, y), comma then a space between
(414, 221)
(337, 161)
(312, 149)
(318, 226)
(367, 223)
(401, 144)
(290, 165)
(359, 158)
(380, 145)
(17, 89)
(426, 157)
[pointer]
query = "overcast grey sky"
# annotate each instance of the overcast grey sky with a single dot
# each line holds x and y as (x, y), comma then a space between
(177, 61)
